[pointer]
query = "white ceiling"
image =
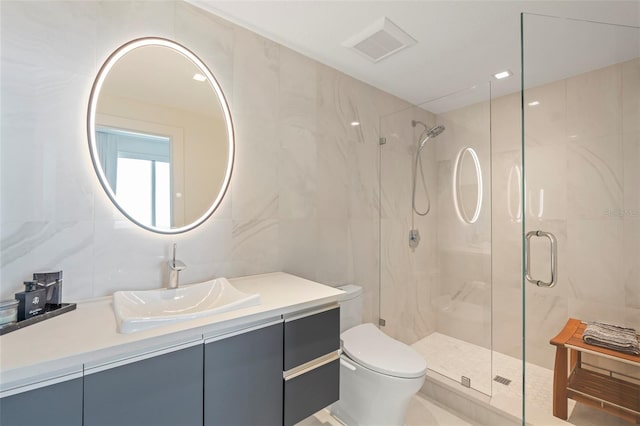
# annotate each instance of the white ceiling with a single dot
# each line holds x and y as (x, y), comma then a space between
(460, 43)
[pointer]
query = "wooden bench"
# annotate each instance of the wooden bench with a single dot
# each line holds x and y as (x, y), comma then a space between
(615, 393)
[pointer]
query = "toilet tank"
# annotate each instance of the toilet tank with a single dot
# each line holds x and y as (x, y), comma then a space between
(350, 306)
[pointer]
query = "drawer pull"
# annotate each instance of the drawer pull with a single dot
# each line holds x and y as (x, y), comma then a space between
(311, 365)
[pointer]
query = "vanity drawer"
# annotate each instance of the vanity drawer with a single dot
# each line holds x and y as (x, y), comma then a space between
(311, 391)
(311, 335)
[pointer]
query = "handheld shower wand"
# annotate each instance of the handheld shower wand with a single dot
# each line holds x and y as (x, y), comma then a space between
(428, 133)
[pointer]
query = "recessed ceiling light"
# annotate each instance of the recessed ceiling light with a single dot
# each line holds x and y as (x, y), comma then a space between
(355, 123)
(199, 77)
(503, 74)
(534, 103)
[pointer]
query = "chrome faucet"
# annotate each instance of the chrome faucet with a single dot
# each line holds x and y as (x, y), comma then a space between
(175, 266)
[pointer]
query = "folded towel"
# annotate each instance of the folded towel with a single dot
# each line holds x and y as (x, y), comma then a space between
(613, 337)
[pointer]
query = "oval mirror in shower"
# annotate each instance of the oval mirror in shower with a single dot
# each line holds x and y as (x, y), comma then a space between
(467, 185)
(160, 135)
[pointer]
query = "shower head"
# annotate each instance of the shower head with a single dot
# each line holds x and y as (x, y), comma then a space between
(435, 131)
(429, 133)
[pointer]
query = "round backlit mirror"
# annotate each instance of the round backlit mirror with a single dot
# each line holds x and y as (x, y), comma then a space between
(160, 135)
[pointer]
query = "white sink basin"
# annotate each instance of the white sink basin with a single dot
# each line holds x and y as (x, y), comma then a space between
(141, 310)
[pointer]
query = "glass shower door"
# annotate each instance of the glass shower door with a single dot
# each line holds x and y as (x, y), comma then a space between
(435, 234)
(581, 228)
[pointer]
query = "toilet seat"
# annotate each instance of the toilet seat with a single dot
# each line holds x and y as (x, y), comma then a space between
(370, 347)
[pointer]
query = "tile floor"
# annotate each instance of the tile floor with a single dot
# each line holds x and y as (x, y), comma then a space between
(422, 412)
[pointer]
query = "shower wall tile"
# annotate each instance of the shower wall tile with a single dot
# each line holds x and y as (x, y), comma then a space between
(589, 310)
(506, 123)
(594, 104)
(546, 169)
(595, 176)
(506, 321)
(631, 261)
(632, 318)
(546, 316)
(631, 96)
(631, 148)
(507, 216)
(601, 281)
(395, 183)
(546, 121)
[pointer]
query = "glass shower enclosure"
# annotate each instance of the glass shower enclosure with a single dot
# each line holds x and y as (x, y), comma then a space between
(436, 236)
(533, 219)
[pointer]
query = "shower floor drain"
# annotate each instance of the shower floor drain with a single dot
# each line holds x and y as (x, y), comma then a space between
(502, 380)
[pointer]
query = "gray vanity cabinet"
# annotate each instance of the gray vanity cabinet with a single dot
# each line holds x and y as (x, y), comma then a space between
(55, 404)
(243, 378)
(311, 363)
(157, 390)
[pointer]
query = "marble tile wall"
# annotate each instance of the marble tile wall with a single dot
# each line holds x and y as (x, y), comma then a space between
(304, 195)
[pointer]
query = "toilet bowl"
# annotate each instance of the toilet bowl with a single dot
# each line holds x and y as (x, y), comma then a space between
(378, 374)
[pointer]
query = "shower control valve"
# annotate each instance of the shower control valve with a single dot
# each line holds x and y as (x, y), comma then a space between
(414, 238)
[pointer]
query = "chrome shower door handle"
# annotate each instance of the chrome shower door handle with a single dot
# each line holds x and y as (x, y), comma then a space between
(554, 258)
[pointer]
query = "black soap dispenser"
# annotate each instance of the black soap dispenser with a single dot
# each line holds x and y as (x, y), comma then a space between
(31, 301)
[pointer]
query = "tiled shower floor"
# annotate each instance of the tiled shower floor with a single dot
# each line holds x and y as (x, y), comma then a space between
(453, 358)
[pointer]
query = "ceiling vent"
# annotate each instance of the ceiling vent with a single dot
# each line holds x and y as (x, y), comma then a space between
(379, 40)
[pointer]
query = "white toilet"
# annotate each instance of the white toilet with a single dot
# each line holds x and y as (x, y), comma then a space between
(378, 374)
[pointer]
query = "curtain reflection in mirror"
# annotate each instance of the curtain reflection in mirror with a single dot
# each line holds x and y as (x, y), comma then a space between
(138, 169)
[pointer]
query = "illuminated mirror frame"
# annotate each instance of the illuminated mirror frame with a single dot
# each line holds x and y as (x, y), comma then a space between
(91, 126)
(462, 214)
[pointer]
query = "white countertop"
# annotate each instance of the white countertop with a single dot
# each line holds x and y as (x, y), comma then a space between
(88, 336)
